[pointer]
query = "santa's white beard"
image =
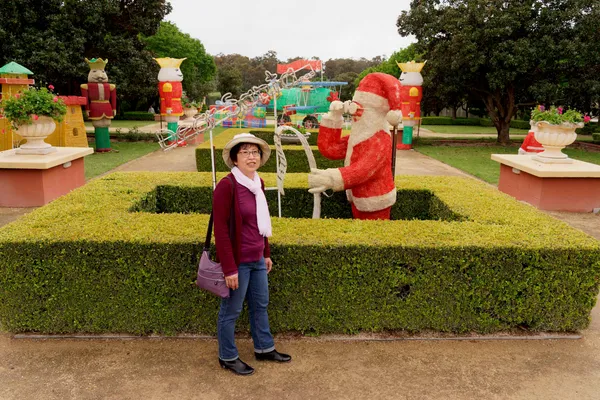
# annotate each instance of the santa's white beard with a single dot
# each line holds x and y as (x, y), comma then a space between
(371, 122)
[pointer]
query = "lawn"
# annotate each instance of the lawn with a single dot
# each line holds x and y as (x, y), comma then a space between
(124, 124)
(476, 160)
(99, 163)
(463, 129)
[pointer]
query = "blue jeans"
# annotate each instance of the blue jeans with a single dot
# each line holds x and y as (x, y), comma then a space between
(254, 286)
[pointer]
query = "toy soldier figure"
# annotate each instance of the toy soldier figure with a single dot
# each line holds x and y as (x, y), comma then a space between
(101, 102)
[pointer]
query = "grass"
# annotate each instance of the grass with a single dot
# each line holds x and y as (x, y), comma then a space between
(476, 160)
(124, 124)
(99, 163)
(460, 129)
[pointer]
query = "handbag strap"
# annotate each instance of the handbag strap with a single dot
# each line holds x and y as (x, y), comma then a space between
(210, 221)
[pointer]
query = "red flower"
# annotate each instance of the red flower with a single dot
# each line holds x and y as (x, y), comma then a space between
(35, 117)
(586, 119)
(55, 99)
(560, 110)
(17, 95)
(51, 87)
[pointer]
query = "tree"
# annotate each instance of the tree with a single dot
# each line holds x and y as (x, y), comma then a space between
(508, 53)
(52, 38)
(347, 91)
(198, 68)
(390, 66)
(229, 80)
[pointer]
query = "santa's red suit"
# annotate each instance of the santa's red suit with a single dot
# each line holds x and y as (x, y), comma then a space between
(530, 145)
(367, 174)
(170, 98)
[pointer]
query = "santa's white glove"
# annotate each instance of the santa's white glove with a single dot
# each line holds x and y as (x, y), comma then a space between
(394, 117)
(336, 109)
(320, 180)
(350, 107)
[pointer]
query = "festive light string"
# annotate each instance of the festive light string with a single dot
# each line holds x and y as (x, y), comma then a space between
(233, 107)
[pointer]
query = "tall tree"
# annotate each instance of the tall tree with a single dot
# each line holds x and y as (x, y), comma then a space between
(198, 68)
(52, 38)
(509, 53)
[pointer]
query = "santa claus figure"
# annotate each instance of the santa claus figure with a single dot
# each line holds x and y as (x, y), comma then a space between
(101, 102)
(170, 90)
(412, 93)
(530, 145)
(367, 174)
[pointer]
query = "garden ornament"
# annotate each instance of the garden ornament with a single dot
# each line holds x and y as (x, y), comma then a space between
(101, 102)
(171, 91)
(411, 94)
(366, 175)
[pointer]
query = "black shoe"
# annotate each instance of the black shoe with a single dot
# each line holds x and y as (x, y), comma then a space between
(273, 355)
(237, 366)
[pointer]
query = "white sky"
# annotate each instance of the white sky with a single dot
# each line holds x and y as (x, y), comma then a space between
(322, 28)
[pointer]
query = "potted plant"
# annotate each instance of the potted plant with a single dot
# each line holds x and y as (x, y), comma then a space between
(32, 113)
(555, 128)
(190, 107)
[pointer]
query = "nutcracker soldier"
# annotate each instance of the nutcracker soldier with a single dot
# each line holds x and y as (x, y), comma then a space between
(170, 90)
(411, 94)
(101, 102)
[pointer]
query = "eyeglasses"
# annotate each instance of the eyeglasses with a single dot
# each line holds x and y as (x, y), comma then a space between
(248, 153)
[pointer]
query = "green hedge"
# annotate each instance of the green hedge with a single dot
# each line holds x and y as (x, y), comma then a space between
(596, 137)
(297, 203)
(86, 264)
(517, 124)
(267, 136)
(295, 155)
(137, 116)
(589, 129)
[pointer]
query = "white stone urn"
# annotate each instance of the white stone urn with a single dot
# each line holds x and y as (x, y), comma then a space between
(35, 133)
(554, 138)
(190, 113)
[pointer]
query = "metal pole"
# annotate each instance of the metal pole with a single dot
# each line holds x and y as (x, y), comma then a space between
(394, 142)
(276, 155)
(212, 160)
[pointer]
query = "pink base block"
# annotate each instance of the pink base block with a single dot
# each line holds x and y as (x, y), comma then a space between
(552, 194)
(36, 187)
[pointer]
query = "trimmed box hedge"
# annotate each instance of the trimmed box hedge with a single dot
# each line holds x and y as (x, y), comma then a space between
(89, 263)
(294, 154)
(137, 116)
(517, 124)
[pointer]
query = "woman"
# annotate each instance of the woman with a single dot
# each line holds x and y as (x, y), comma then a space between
(242, 226)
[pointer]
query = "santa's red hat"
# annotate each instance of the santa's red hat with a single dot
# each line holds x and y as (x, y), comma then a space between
(380, 91)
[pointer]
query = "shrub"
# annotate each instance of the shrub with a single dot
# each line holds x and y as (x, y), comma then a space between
(596, 137)
(436, 121)
(518, 124)
(137, 116)
(588, 129)
(295, 155)
(103, 268)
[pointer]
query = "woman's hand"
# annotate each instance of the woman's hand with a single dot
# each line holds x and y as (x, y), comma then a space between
(269, 264)
(232, 281)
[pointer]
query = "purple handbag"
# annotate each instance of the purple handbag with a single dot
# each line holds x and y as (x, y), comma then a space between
(211, 277)
(210, 274)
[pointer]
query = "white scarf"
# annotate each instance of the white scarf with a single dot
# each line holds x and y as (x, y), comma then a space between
(262, 209)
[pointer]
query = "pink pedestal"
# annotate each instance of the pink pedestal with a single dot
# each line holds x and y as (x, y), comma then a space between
(28, 182)
(566, 187)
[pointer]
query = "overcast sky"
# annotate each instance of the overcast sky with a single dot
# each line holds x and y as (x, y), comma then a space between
(322, 28)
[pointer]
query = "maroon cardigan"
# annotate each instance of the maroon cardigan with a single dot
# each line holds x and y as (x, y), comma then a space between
(229, 248)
